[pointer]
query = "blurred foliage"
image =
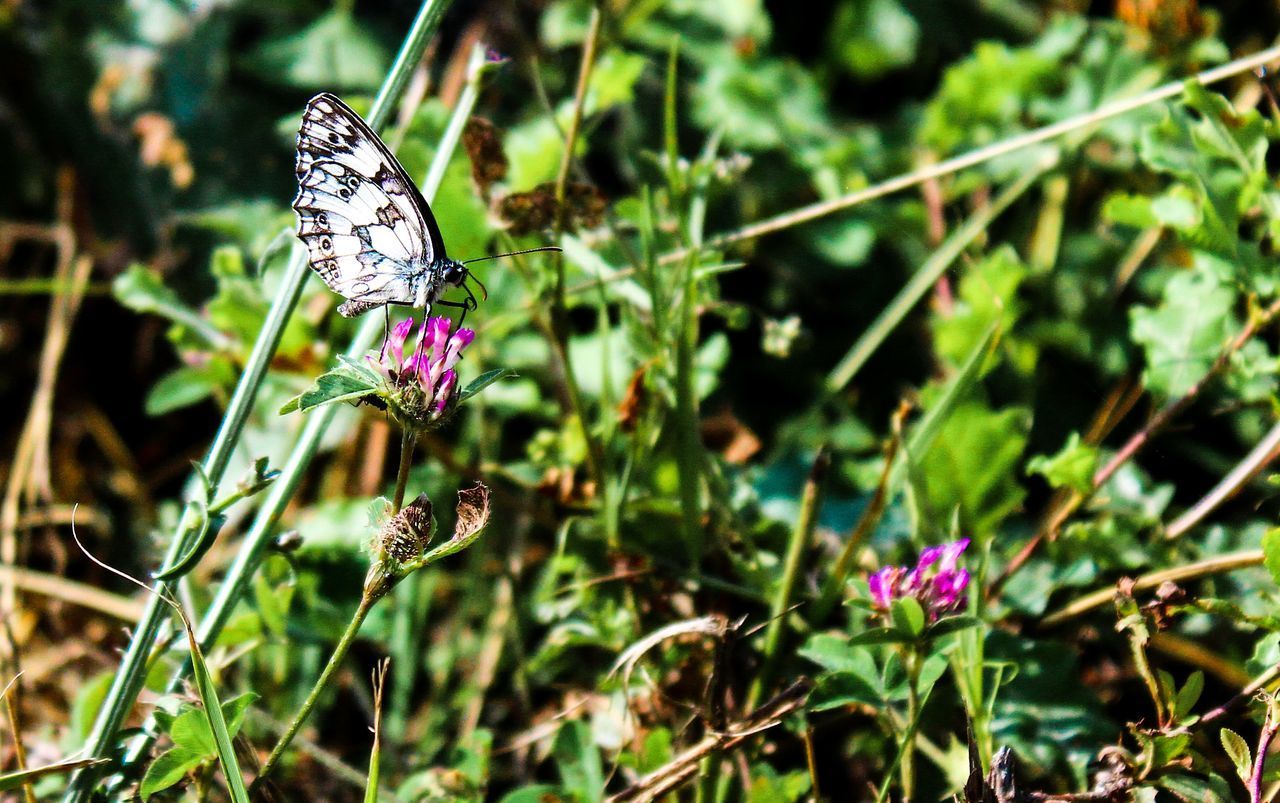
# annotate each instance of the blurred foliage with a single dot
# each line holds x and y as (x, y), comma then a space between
(657, 475)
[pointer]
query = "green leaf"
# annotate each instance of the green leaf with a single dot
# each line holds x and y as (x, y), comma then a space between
(1188, 695)
(1271, 552)
(142, 290)
(334, 52)
(873, 36)
(347, 382)
(578, 760)
(538, 793)
(1238, 751)
(483, 381)
(1130, 210)
(169, 768)
(1072, 467)
(973, 465)
(182, 387)
(951, 624)
(835, 654)
(881, 635)
(1184, 335)
(191, 731)
(908, 615)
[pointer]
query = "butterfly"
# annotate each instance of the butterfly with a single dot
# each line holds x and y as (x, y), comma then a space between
(369, 233)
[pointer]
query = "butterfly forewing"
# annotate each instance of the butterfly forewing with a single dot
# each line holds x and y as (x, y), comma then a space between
(368, 232)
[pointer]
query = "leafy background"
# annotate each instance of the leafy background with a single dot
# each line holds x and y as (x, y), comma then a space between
(1135, 271)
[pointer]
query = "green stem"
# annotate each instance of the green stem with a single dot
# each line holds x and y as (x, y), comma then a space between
(907, 768)
(304, 449)
(688, 439)
(335, 660)
(559, 310)
(927, 276)
(408, 440)
(801, 536)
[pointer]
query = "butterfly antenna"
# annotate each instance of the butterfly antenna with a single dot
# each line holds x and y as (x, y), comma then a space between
(514, 254)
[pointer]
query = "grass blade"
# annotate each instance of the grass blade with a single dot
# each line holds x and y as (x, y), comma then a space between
(926, 277)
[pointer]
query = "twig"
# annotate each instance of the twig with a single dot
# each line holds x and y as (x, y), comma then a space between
(1143, 436)
(1215, 565)
(83, 594)
(1263, 453)
(29, 469)
(680, 769)
(1166, 414)
(993, 151)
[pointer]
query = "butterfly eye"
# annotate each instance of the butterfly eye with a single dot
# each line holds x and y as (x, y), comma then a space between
(325, 244)
(323, 218)
(334, 138)
(353, 182)
(344, 192)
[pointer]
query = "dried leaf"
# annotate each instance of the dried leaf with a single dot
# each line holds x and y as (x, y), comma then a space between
(484, 147)
(473, 511)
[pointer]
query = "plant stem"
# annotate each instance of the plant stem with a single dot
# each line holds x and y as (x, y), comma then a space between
(1270, 726)
(907, 767)
(1215, 565)
(335, 660)
(408, 439)
(801, 536)
(1080, 122)
(928, 274)
(559, 310)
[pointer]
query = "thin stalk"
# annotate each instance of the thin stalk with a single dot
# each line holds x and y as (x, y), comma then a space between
(927, 276)
(335, 660)
(1257, 459)
(1179, 574)
(907, 768)
(913, 725)
(801, 537)
(866, 523)
(407, 441)
(688, 439)
(559, 310)
(304, 449)
(1101, 114)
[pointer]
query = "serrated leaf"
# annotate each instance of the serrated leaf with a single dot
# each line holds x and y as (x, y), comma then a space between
(339, 385)
(1072, 467)
(1238, 751)
(1184, 335)
(191, 731)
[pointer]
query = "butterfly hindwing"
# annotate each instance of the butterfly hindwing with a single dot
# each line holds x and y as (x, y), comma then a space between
(369, 234)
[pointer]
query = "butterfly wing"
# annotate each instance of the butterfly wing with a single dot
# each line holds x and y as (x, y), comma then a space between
(369, 233)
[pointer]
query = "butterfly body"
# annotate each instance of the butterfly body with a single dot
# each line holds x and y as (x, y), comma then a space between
(369, 233)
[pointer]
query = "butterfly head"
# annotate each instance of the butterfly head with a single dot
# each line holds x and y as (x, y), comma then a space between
(454, 273)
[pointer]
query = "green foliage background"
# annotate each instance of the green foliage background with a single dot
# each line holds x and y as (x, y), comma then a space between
(1116, 283)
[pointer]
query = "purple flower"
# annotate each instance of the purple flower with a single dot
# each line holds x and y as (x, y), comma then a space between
(423, 383)
(936, 581)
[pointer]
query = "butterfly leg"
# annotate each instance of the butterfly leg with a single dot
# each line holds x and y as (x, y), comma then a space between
(386, 331)
(465, 306)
